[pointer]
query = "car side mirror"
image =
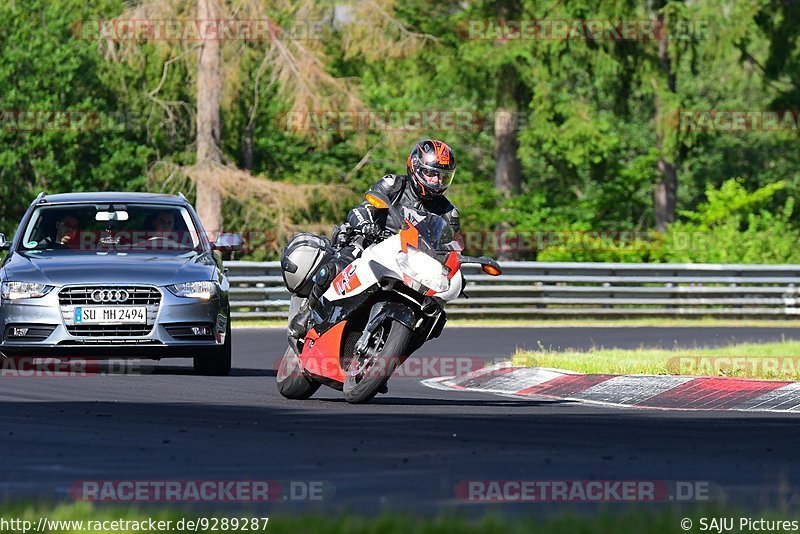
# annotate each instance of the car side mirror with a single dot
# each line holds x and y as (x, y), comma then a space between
(228, 242)
(4, 245)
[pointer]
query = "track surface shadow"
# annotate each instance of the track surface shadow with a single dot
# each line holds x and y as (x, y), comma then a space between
(395, 454)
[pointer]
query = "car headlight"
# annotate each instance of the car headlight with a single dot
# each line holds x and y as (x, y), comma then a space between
(195, 290)
(424, 269)
(24, 290)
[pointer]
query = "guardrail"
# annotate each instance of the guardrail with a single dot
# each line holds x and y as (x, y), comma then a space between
(528, 289)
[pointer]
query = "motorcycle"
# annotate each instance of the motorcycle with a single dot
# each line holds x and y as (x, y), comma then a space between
(378, 310)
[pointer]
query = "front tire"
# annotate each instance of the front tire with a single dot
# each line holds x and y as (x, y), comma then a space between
(292, 382)
(365, 378)
(218, 362)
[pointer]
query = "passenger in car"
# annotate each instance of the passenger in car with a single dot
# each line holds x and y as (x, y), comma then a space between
(163, 223)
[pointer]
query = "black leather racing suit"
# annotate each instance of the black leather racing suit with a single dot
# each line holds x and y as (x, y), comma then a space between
(399, 190)
(380, 224)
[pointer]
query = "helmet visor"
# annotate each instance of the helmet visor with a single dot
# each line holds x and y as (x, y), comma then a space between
(436, 180)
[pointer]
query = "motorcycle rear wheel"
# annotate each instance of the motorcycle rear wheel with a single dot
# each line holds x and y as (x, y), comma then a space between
(361, 385)
(292, 382)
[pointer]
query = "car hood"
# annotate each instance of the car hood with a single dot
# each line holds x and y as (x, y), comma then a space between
(59, 268)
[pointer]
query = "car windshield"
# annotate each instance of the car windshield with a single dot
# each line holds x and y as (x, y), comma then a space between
(437, 233)
(110, 227)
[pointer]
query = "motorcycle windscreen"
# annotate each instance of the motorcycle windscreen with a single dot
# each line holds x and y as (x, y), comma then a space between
(437, 233)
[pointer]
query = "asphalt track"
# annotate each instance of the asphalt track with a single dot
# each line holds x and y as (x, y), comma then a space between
(405, 451)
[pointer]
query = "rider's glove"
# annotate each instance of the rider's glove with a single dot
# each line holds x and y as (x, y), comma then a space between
(370, 230)
(341, 235)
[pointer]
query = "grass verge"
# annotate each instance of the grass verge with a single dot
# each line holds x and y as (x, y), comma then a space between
(647, 518)
(770, 361)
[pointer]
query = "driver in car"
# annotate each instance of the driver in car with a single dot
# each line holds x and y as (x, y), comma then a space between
(429, 172)
(67, 231)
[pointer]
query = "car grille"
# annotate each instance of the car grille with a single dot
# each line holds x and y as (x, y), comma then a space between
(97, 330)
(82, 296)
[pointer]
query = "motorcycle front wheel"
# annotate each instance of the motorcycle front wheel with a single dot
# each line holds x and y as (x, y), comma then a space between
(368, 373)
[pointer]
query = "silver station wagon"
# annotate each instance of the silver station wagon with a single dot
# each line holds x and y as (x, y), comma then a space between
(116, 275)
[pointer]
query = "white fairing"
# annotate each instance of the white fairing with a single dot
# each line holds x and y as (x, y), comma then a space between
(354, 279)
(456, 285)
(358, 277)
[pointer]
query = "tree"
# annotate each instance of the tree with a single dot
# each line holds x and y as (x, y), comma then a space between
(666, 188)
(45, 75)
(209, 94)
(508, 103)
(295, 67)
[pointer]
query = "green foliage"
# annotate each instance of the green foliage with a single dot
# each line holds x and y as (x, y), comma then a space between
(587, 139)
(731, 226)
(730, 200)
(45, 69)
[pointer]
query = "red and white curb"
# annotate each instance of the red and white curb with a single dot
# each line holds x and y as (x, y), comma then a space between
(638, 391)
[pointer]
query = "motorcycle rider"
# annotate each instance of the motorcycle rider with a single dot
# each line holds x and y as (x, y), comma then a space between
(429, 172)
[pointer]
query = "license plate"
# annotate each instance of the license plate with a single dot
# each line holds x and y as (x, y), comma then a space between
(110, 314)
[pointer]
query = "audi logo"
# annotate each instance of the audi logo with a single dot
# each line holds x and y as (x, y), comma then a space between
(110, 295)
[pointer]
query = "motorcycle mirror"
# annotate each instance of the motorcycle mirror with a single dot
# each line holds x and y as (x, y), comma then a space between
(491, 270)
(490, 266)
(380, 201)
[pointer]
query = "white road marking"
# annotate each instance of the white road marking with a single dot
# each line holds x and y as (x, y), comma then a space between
(785, 399)
(631, 389)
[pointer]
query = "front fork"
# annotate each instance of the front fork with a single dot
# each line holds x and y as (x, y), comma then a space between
(295, 302)
(380, 312)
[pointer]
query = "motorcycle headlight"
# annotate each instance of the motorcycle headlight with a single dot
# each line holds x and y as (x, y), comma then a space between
(24, 290)
(424, 269)
(195, 290)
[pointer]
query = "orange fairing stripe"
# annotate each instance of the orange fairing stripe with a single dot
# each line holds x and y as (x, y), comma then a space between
(452, 263)
(321, 353)
(409, 236)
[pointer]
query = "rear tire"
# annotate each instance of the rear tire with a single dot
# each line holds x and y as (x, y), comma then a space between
(292, 382)
(363, 388)
(218, 362)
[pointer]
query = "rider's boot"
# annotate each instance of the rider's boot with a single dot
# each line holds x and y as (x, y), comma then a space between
(298, 326)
